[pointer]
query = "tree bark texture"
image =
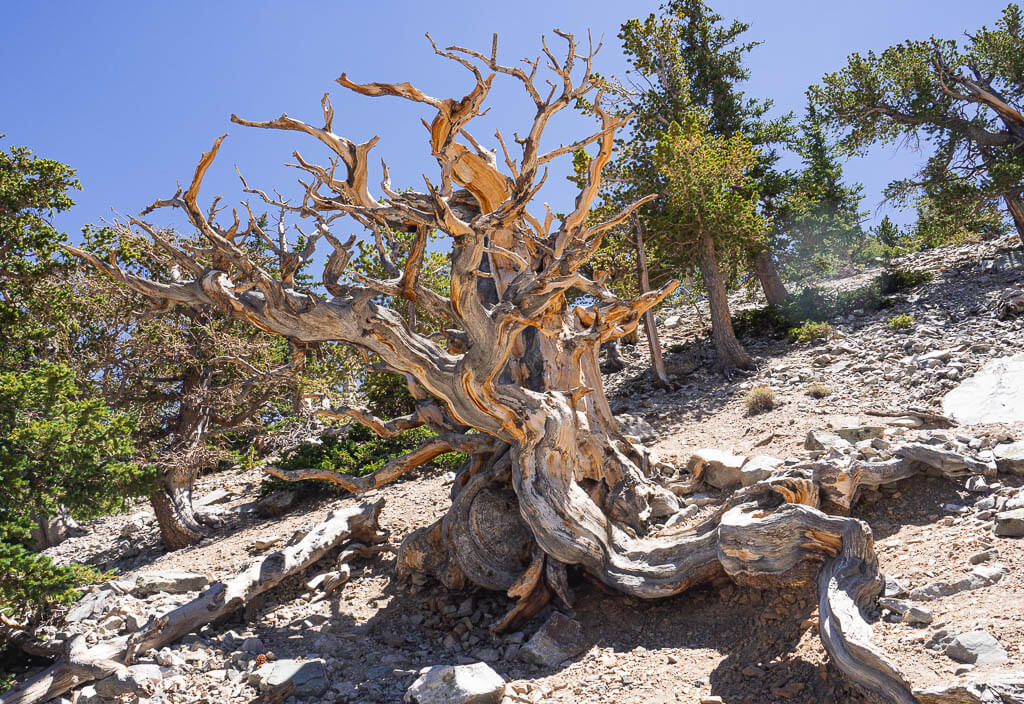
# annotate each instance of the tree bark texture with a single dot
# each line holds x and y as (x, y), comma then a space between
(551, 481)
(728, 349)
(1015, 206)
(768, 274)
(650, 328)
(172, 502)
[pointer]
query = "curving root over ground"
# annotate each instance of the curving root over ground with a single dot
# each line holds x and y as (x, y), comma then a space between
(552, 484)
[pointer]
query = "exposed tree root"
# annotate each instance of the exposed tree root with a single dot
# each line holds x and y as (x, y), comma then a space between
(767, 535)
(111, 658)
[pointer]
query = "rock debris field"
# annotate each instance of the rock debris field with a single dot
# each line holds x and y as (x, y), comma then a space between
(949, 536)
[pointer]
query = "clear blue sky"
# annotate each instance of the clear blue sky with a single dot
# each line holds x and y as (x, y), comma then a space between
(130, 93)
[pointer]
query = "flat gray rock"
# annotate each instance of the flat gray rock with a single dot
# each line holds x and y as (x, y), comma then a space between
(824, 440)
(995, 689)
(141, 678)
(977, 647)
(977, 578)
(991, 395)
(460, 684)
(908, 610)
(88, 605)
(1010, 457)
(559, 639)
(309, 677)
(863, 432)
(946, 461)
(276, 503)
(1010, 524)
(758, 468)
(171, 582)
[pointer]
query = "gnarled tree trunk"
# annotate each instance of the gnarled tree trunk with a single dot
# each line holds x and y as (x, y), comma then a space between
(768, 274)
(1015, 206)
(730, 352)
(172, 504)
(551, 481)
(172, 501)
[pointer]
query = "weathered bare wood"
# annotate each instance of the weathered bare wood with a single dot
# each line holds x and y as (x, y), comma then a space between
(551, 481)
(650, 328)
(772, 548)
(924, 415)
(107, 658)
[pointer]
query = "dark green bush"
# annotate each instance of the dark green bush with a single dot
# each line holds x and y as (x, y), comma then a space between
(357, 452)
(896, 280)
(387, 395)
(814, 304)
(812, 332)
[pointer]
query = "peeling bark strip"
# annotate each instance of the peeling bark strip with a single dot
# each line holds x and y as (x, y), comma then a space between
(109, 658)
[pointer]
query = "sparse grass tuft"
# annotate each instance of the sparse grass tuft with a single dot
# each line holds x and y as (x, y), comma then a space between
(759, 400)
(818, 391)
(811, 332)
(901, 322)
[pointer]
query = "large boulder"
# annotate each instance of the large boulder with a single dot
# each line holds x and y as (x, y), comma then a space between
(461, 684)
(758, 468)
(991, 395)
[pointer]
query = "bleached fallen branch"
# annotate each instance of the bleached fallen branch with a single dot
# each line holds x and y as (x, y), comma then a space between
(81, 665)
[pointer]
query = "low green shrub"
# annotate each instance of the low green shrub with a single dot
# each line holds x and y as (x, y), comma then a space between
(814, 304)
(901, 322)
(759, 399)
(895, 280)
(811, 332)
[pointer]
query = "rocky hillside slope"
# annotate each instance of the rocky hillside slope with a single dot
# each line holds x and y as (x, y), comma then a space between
(948, 537)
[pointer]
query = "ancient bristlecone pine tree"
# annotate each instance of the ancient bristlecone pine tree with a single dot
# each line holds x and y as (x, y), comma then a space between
(514, 380)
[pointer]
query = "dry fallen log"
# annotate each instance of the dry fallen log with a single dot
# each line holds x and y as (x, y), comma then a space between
(925, 416)
(108, 658)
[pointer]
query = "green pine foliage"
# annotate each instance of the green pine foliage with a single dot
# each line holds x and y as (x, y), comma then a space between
(60, 445)
(816, 220)
(936, 92)
(708, 186)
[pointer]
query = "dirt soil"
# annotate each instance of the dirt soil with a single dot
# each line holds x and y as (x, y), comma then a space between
(739, 644)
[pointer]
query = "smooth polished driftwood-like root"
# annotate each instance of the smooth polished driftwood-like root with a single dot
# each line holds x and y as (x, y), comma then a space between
(81, 664)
